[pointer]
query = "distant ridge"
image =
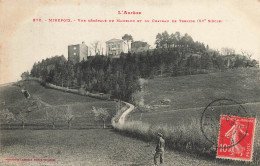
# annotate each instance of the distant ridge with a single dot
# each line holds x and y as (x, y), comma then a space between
(6, 84)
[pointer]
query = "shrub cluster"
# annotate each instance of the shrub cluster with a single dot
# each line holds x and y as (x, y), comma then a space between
(184, 137)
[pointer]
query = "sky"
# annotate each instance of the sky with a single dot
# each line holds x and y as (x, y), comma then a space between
(24, 42)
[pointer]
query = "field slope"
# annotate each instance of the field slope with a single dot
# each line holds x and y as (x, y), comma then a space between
(80, 105)
(87, 145)
(192, 91)
(176, 99)
(174, 106)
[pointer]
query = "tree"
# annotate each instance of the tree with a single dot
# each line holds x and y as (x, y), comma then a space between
(189, 64)
(177, 38)
(206, 62)
(96, 47)
(22, 117)
(52, 115)
(190, 41)
(68, 116)
(25, 75)
(254, 63)
(247, 53)
(8, 116)
(163, 40)
(158, 40)
(162, 68)
(128, 38)
(184, 40)
(34, 72)
(172, 40)
(227, 51)
(69, 73)
(139, 95)
(100, 114)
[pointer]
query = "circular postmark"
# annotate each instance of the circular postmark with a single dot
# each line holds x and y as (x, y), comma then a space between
(224, 112)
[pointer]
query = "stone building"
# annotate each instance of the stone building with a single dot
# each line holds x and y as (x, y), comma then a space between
(78, 52)
(115, 47)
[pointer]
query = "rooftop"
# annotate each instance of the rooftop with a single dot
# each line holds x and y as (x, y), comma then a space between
(114, 40)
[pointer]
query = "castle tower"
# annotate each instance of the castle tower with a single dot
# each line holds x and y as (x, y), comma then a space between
(78, 52)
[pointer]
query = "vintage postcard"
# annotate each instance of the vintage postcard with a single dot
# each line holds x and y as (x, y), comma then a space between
(86, 82)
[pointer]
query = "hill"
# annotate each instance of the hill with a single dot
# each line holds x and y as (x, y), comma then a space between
(192, 91)
(180, 100)
(174, 106)
(90, 146)
(14, 100)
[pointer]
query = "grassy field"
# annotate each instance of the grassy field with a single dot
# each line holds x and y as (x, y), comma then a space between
(175, 107)
(97, 147)
(80, 105)
(182, 129)
(188, 96)
(192, 91)
(85, 144)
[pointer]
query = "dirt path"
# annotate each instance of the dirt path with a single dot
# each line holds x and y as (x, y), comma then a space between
(125, 113)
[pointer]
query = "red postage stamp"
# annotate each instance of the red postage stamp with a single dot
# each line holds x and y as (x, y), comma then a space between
(236, 138)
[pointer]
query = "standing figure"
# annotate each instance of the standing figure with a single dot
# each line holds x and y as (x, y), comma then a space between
(159, 149)
(234, 134)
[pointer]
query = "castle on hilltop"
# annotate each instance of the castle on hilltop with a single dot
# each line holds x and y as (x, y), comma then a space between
(115, 47)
